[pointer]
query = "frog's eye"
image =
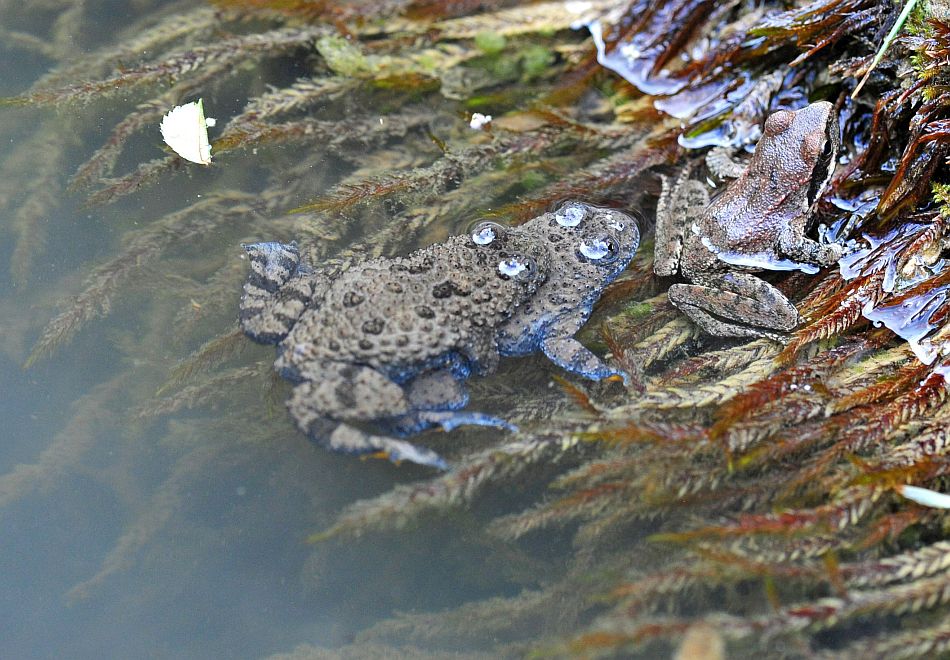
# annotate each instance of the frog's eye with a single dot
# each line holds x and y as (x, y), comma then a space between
(603, 249)
(484, 233)
(517, 268)
(779, 121)
(571, 215)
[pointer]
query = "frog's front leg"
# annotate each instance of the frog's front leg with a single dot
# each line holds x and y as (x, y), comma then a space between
(679, 203)
(795, 246)
(350, 393)
(277, 292)
(560, 346)
(723, 164)
(736, 305)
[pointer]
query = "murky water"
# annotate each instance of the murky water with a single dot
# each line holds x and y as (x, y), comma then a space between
(129, 531)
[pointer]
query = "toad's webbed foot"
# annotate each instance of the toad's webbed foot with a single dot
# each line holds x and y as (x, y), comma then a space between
(277, 292)
(346, 438)
(737, 305)
(355, 393)
(573, 356)
(447, 420)
(722, 162)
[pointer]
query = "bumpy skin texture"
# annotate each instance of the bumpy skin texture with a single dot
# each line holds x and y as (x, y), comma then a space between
(389, 341)
(758, 223)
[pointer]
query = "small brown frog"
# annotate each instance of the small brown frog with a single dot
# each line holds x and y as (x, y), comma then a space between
(758, 223)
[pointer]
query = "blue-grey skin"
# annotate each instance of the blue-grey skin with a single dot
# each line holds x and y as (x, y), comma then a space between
(390, 341)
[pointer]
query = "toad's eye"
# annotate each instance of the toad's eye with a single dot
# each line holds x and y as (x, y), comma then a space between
(517, 267)
(603, 249)
(485, 233)
(571, 215)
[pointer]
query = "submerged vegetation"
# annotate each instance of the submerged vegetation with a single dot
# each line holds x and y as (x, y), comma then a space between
(740, 489)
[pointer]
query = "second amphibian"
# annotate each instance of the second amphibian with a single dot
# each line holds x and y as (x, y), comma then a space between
(758, 223)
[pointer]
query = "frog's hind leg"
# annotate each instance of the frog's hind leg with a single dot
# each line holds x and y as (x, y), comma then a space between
(346, 393)
(736, 305)
(673, 214)
(278, 290)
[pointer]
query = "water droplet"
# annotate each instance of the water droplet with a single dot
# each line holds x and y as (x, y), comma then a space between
(598, 249)
(518, 267)
(485, 232)
(570, 216)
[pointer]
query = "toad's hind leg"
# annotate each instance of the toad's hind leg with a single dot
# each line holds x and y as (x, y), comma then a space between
(341, 437)
(436, 390)
(346, 393)
(436, 399)
(277, 292)
(736, 305)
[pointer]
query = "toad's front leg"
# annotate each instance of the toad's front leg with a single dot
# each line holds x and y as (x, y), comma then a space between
(560, 346)
(437, 399)
(332, 395)
(736, 305)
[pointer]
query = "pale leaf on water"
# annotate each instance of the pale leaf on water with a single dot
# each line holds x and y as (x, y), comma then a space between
(185, 130)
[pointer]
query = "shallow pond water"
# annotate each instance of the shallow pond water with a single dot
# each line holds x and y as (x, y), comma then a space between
(136, 524)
